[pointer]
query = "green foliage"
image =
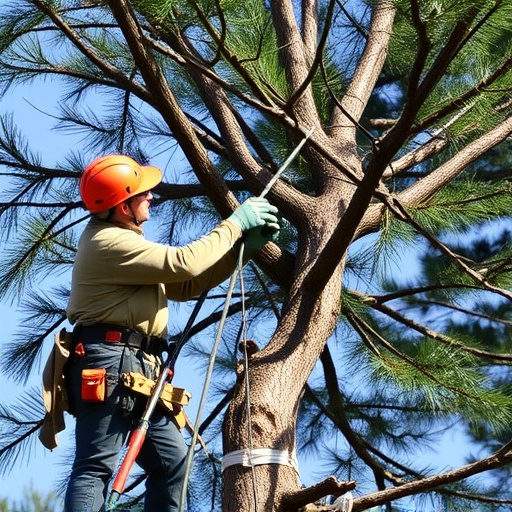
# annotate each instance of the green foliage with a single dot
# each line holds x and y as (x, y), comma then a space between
(463, 204)
(19, 423)
(421, 343)
(445, 381)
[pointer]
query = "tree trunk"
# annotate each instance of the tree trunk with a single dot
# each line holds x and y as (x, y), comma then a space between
(277, 376)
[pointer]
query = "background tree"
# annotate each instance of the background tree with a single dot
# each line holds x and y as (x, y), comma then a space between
(409, 102)
(32, 501)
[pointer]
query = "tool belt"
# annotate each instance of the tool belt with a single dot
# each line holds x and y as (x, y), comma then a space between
(171, 398)
(108, 333)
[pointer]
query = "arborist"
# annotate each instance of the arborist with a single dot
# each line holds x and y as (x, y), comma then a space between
(120, 286)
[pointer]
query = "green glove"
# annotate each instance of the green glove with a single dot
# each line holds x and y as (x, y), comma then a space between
(256, 238)
(254, 212)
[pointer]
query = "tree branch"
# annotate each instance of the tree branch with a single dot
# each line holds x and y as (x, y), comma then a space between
(417, 156)
(309, 31)
(319, 55)
(430, 333)
(75, 39)
(497, 460)
(235, 131)
(170, 110)
(336, 403)
(368, 70)
(402, 213)
(423, 189)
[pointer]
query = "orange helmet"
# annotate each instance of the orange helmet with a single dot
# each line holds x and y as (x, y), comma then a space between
(110, 180)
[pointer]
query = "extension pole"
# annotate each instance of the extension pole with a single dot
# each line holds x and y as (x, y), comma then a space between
(195, 434)
(286, 163)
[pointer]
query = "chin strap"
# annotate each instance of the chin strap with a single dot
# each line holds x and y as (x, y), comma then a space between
(134, 219)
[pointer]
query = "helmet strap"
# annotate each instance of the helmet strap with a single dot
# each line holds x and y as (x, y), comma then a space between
(134, 219)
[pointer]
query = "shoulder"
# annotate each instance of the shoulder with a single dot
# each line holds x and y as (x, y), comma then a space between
(101, 234)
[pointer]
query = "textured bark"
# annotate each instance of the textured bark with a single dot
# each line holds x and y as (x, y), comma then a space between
(277, 376)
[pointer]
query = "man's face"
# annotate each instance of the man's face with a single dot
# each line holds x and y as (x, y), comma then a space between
(140, 205)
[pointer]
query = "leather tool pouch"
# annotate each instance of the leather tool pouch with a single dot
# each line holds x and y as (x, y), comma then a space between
(94, 384)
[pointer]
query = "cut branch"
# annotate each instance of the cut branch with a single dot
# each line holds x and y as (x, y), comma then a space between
(329, 486)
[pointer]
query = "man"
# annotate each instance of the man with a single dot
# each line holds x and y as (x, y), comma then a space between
(118, 304)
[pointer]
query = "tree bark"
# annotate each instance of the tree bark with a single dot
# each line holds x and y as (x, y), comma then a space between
(277, 375)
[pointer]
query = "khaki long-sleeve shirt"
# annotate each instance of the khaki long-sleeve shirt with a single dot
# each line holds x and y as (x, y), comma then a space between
(121, 278)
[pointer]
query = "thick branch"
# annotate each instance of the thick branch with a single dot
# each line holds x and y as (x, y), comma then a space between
(170, 110)
(309, 10)
(499, 459)
(426, 187)
(168, 191)
(292, 50)
(431, 148)
(367, 72)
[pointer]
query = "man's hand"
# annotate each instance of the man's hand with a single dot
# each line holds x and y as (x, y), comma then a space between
(255, 212)
(257, 237)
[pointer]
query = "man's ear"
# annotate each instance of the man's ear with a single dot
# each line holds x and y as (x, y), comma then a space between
(125, 209)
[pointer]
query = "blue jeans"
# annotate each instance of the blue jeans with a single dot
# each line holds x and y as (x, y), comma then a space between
(102, 428)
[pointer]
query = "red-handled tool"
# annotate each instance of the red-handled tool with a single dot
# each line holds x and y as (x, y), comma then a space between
(137, 437)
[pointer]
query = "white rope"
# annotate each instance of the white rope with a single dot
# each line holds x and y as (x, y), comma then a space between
(206, 387)
(258, 457)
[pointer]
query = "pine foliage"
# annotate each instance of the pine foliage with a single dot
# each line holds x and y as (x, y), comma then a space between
(212, 91)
